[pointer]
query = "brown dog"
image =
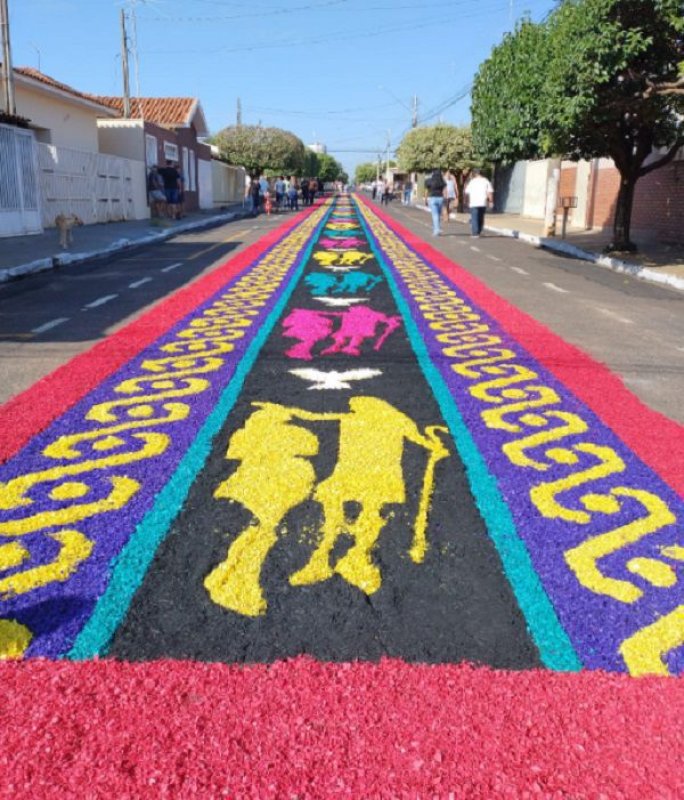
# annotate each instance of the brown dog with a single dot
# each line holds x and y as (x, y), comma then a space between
(65, 223)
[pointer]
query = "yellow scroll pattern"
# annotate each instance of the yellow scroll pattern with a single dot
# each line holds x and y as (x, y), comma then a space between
(134, 425)
(543, 435)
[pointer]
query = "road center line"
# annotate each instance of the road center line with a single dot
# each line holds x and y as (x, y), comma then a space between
(475, 249)
(520, 270)
(613, 315)
(494, 258)
(135, 284)
(50, 325)
(101, 301)
(172, 266)
(556, 288)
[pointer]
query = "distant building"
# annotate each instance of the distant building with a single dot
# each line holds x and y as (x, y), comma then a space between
(317, 147)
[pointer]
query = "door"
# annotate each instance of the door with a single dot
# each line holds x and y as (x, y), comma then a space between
(19, 196)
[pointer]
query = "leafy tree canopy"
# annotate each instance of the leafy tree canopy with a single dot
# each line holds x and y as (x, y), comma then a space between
(365, 172)
(595, 79)
(603, 54)
(437, 147)
(261, 149)
(506, 96)
(329, 169)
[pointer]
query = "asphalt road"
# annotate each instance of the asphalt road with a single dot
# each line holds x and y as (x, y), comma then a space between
(48, 318)
(635, 328)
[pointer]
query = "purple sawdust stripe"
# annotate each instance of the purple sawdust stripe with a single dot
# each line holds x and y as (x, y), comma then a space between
(74, 502)
(617, 597)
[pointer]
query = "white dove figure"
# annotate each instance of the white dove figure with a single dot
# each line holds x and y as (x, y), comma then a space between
(341, 301)
(334, 379)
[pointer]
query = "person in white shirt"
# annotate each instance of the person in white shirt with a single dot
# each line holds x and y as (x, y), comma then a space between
(480, 193)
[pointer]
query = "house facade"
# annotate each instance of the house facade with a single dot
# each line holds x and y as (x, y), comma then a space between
(54, 166)
(162, 129)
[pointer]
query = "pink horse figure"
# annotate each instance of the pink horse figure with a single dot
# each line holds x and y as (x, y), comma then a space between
(309, 327)
(355, 326)
(341, 244)
(358, 324)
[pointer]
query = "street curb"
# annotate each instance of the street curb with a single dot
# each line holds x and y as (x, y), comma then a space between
(616, 264)
(64, 259)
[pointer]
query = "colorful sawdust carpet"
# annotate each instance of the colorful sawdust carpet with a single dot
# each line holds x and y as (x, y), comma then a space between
(341, 445)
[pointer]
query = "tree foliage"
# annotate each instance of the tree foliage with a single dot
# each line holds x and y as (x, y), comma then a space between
(581, 84)
(329, 169)
(365, 172)
(439, 147)
(259, 149)
(506, 97)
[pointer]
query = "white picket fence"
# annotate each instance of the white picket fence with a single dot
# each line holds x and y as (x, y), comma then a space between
(95, 186)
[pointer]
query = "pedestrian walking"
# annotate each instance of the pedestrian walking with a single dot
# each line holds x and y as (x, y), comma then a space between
(480, 194)
(374, 190)
(435, 196)
(381, 189)
(279, 192)
(305, 191)
(255, 195)
(171, 178)
(408, 187)
(293, 194)
(450, 194)
(155, 193)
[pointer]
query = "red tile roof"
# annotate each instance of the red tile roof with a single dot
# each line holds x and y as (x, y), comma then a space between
(169, 112)
(41, 77)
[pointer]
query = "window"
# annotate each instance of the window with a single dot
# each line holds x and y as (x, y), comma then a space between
(150, 150)
(170, 151)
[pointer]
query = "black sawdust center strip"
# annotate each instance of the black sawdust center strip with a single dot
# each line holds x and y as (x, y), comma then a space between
(315, 460)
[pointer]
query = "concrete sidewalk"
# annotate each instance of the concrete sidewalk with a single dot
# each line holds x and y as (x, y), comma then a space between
(23, 255)
(655, 261)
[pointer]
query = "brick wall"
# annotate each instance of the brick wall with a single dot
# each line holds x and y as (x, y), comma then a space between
(567, 187)
(658, 210)
(659, 203)
(605, 182)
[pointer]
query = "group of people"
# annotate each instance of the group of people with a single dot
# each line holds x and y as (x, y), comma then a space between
(442, 193)
(165, 190)
(281, 193)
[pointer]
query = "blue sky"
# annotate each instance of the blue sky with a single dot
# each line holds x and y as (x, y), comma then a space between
(342, 72)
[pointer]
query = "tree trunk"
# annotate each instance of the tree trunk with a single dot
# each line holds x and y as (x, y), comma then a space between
(623, 215)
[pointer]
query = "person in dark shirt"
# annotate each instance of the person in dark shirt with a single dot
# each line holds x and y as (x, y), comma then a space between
(172, 185)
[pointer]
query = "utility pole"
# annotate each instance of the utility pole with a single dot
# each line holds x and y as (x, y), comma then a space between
(389, 144)
(414, 116)
(8, 102)
(377, 169)
(239, 113)
(124, 66)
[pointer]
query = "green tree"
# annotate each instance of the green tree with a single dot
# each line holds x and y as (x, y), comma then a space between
(594, 63)
(439, 147)
(260, 149)
(604, 52)
(365, 172)
(506, 97)
(329, 169)
(311, 164)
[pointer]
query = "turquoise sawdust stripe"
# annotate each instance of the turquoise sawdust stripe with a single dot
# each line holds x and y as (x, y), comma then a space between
(130, 566)
(555, 647)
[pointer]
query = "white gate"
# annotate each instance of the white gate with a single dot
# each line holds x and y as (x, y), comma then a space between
(19, 200)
